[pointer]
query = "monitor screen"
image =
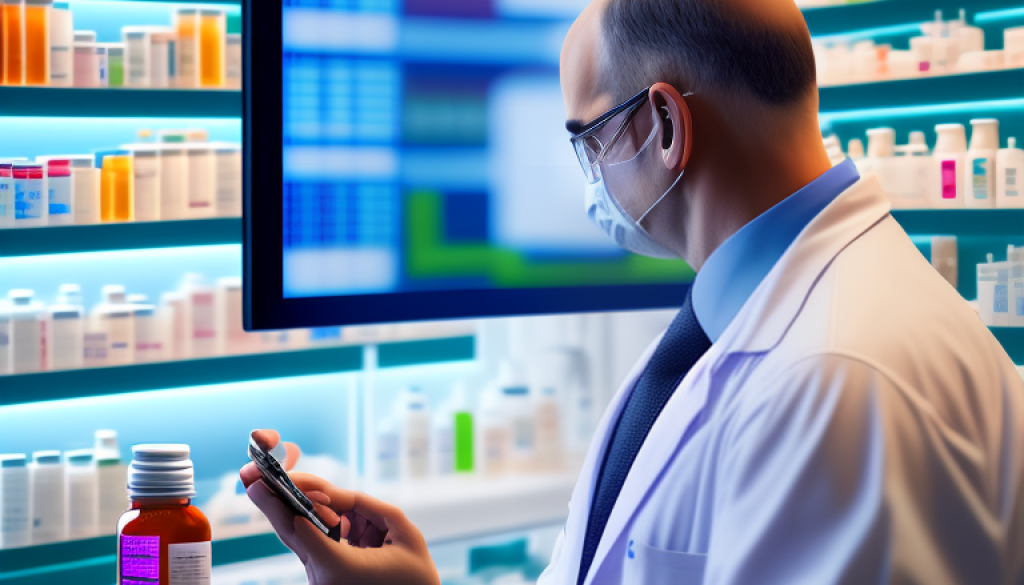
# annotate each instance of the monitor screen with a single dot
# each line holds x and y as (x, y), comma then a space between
(423, 149)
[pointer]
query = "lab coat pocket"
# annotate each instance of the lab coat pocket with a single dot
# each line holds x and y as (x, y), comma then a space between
(647, 565)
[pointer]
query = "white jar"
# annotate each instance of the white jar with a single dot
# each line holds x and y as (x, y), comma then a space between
(414, 415)
(81, 492)
(49, 519)
(15, 502)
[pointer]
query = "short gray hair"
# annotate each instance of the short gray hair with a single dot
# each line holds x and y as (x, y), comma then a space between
(697, 45)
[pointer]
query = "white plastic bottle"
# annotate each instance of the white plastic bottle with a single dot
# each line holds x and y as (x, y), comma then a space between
(202, 179)
(518, 408)
(231, 335)
(912, 174)
(86, 188)
(62, 40)
(1010, 176)
(172, 313)
(494, 433)
(979, 177)
(547, 416)
(988, 276)
(387, 451)
(174, 181)
(200, 316)
(15, 502)
(228, 159)
(66, 330)
(149, 333)
(82, 493)
(415, 435)
(111, 481)
(49, 519)
(26, 332)
(114, 318)
(882, 157)
(147, 168)
(948, 167)
(31, 200)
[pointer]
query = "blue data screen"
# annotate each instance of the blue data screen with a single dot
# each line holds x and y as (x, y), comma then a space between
(425, 149)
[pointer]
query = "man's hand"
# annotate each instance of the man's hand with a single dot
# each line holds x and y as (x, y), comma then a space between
(383, 545)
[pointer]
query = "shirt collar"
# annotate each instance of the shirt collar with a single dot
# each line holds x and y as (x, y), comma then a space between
(733, 271)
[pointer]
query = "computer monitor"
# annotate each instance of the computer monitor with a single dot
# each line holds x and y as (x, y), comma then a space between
(408, 160)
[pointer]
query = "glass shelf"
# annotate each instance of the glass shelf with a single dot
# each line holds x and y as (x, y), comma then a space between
(827, 20)
(962, 222)
(987, 86)
(119, 103)
(119, 236)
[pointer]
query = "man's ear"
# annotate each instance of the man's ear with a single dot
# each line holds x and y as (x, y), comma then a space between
(677, 133)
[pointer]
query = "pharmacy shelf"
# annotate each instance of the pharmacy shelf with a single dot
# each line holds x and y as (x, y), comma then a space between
(119, 103)
(459, 509)
(119, 236)
(985, 86)
(962, 222)
(830, 20)
(68, 384)
(1012, 340)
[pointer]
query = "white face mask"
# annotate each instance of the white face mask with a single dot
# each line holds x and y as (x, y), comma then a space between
(604, 210)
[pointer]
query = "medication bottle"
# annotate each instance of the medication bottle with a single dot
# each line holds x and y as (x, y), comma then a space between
(46, 476)
(138, 61)
(146, 165)
(30, 195)
(228, 196)
(37, 41)
(202, 179)
(387, 451)
(5, 336)
(548, 434)
(62, 41)
(81, 488)
(174, 181)
(199, 316)
(414, 415)
(212, 42)
(494, 432)
(6, 193)
(13, 36)
(87, 67)
(15, 502)
(149, 330)
(452, 435)
(61, 189)
(85, 179)
(114, 317)
(115, 64)
(948, 166)
(911, 177)
(66, 330)
(233, 61)
(163, 534)
(980, 175)
(1009, 176)
(882, 158)
(187, 50)
(172, 314)
(231, 335)
(111, 479)
(117, 185)
(161, 52)
(26, 332)
(442, 441)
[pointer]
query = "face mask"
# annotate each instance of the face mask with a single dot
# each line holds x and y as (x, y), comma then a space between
(604, 210)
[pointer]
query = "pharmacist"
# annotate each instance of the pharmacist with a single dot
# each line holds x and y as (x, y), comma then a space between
(825, 408)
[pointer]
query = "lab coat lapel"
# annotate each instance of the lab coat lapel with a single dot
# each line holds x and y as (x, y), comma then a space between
(657, 450)
(579, 510)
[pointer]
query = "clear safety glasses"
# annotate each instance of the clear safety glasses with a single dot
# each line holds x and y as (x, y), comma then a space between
(591, 150)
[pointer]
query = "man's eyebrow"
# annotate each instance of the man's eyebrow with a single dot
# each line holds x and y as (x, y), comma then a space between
(575, 126)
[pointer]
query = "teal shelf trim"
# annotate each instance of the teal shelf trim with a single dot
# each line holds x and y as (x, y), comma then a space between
(409, 353)
(68, 384)
(1012, 340)
(962, 222)
(829, 20)
(119, 103)
(93, 561)
(119, 236)
(61, 385)
(924, 91)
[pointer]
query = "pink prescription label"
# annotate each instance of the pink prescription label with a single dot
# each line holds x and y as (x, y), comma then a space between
(949, 179)
(140, 559)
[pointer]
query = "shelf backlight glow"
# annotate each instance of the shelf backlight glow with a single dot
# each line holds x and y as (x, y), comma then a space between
(1013, 105)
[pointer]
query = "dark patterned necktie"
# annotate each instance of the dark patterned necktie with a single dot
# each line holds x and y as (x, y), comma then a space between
(683, 344)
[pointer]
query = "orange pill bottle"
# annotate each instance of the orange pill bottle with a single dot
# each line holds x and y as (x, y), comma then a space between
(163, 538)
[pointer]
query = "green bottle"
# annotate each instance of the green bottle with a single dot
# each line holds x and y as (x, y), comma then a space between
(463, 442)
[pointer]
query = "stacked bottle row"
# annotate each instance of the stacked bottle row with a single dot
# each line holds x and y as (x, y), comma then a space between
(944, 48)
(180, 176)
(953, 175)
(39, 46)
(515, 429)
(197, 320)
(52, 496)
(1001, 290)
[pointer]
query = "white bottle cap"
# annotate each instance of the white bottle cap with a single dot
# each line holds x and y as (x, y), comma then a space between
(105, 443)
(113, 294)
(79, 457)
(137, 299)
(1011, 142)
(161, 471)
(985, 134)
(229, 282)
(46, 458)
(12, 460)
(881, 142)
(952, 139)
(21, 296)
(855, 149)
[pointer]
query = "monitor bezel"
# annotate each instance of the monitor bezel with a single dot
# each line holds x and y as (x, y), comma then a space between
(265, 306)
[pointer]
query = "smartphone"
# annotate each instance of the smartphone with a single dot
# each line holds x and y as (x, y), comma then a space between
(278, 481)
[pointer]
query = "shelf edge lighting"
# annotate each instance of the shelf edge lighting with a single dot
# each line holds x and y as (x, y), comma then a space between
(911, 111)
(111, 255)
(870, 33)
(997, 15)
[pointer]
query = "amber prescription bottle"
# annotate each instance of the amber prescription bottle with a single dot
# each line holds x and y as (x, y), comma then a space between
(163, 538)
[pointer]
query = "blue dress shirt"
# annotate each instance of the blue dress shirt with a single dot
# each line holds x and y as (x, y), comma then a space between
(733, 271)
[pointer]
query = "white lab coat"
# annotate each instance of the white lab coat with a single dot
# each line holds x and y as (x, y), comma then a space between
(858, 425)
